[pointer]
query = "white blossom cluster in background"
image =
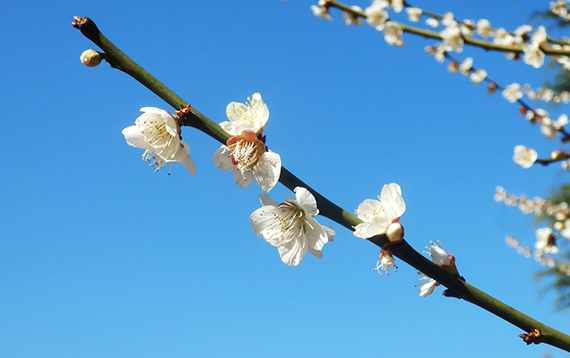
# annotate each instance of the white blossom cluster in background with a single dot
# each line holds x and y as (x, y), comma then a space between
(560, 9)
(540, 251)
(454, 31)
(547, 237)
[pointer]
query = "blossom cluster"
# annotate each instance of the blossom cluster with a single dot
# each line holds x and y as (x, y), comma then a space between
(560, 9)
(290, 226)
(543, 246)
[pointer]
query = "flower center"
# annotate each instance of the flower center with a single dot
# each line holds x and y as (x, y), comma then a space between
(245, 154)
(291, 221)
(157, 137)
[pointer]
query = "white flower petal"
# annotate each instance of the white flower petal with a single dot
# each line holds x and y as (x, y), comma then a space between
(135, 137)
(243, 179)
(306, 200)
(391, 197)
(427, 288)
(222, 159)
(439, 256)
(293, 252)
(267, 170)
(267, 201)
(183, 156)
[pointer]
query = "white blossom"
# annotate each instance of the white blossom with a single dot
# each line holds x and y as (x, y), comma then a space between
(242, 116)
(513, 92)
(245, 153)
(545, 242)
(157, 132)
(376, 14)
(484, 28)
(321, 12)
(441, 258)
(414, 14)
(393, 34)
(379, 215)
(478, 76)
(448, 19)
(525, 157)
(291, 227)
(452, 38)
(397, 5)
(432, 22)
(465, 66)
(351, 19)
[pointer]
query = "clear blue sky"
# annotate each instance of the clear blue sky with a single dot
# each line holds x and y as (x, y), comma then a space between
(102, 257)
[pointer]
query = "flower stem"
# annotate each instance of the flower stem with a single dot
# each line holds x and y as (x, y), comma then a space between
(403, 250)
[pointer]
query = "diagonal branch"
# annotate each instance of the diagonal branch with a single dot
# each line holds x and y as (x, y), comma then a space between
(403, 250)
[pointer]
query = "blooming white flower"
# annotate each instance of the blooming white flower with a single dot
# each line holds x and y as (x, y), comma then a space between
(242, 116)
(465, 66)
(414, 14)
(432, 22)
(322, 12)
(376, 14)
(441, 258)
(351, 19)
(157, 132)
(478, 76)
(525, 157)
(513, 92)
(245, 152)
(448, 19)
(545, 241)
(452, 38)
(291, 226)
(550, 128)
(397, 5)
(533, 54)
(379, 215)
(484, 28)
(393, 34)
(247, 156)
(385, 261)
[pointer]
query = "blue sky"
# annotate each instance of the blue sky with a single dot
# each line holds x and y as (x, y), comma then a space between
(102, 257)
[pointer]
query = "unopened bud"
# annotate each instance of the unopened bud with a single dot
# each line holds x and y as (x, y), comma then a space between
(453, 67)
(91, 58)
(395, 233)
(557, 154)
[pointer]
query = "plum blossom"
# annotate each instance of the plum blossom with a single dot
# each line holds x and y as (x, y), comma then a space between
(478, 76)
(414, 14)
(452, 38)
(550, 128)
(525, 157)
(321, 10)
(382, 216)
(513, 92)
(376, 14)
(351, 19)
(242, 116)
(441, 258)
(545, 242)
(245, 153)
(432, 22)
(397, 5)
(157, 132)
(393, 34)
(385, 261)
(484, 28)
(533, 54)
(291, 227)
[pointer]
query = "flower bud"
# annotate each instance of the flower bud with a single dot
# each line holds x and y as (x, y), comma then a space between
(91, 58)
(395, 233)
